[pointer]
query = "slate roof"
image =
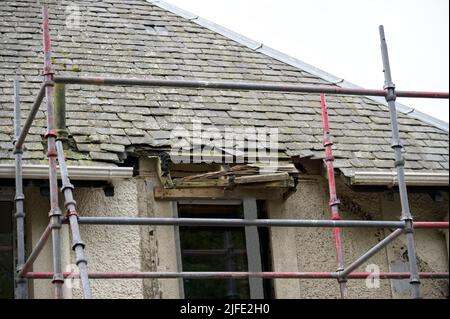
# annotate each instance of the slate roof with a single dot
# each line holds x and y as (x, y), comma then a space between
(139, 39)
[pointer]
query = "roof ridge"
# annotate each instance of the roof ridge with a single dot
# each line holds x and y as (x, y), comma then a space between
(285, 58)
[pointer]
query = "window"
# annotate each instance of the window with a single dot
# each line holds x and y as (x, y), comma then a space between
(205, 249)
(6, 251)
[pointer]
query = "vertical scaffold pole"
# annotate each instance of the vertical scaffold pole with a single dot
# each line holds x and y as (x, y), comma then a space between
(21, 292)
(55, 211)
(70, 204)
(334, 201)
(397, 146)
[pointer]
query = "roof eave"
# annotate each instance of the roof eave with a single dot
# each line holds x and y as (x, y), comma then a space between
(389, 178)
(84, 173)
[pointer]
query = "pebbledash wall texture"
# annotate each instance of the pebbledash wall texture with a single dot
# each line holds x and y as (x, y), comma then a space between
(131, 248)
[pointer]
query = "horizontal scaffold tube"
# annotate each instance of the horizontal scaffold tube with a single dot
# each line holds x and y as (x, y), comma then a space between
(226, 85)
(221, 222)
(430, 225)
(217, 222)
(223, 275)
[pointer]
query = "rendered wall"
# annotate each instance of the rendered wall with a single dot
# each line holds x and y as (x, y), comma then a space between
(432, 245)
(112, 248)
(36, 209)
(312, 249)
(159, 241)
(108, 248)
(131, 248)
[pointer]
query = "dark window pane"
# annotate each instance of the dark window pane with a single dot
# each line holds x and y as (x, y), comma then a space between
(207, 249)
(6, 252)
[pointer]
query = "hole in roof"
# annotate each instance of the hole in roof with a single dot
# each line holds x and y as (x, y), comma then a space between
(156, 29)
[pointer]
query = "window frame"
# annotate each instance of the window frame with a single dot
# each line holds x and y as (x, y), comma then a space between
(254, 258)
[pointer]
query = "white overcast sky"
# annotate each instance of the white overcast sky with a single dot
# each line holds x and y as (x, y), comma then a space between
(341, 38)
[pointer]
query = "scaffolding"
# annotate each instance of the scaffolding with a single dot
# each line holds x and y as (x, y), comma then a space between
(55, 153)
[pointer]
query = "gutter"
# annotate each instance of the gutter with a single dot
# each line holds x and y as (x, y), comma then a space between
(85, 173)
(282, 57)
(373, 178)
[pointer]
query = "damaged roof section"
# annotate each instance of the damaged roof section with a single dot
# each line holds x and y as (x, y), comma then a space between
(138, 39)
(232, 176)
(260, 180)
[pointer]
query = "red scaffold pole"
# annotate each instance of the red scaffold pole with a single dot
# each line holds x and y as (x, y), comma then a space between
(55, 211)
(334, 201)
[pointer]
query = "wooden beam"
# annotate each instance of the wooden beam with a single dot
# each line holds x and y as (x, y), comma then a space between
(262, 178)
(202, 184)
(225, 183)
(269, 185)
(216, 193)
(164, 177)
